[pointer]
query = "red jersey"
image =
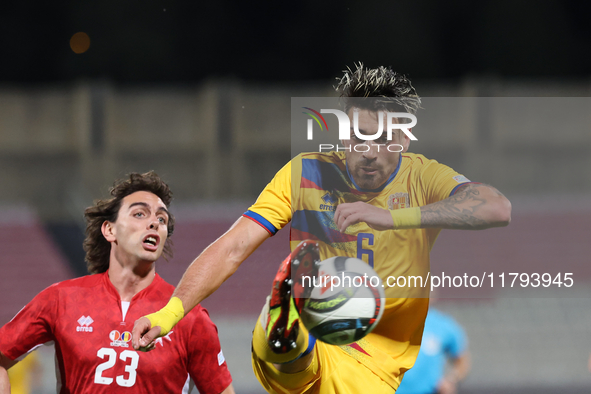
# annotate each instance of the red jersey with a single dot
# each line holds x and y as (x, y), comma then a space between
(92, 334)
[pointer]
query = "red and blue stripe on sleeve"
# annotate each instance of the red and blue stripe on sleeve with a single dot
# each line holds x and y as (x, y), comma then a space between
(261, 221)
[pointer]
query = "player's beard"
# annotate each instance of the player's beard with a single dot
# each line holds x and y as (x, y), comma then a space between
(368, 181)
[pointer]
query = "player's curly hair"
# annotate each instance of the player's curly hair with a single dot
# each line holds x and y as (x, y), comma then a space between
(97, 248)
(389, 91)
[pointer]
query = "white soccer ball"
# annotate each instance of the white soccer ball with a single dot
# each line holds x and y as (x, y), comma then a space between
(346, 302)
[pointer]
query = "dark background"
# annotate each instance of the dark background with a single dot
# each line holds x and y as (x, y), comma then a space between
(139, 42)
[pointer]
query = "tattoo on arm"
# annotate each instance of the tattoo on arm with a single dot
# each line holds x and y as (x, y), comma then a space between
(466, 209)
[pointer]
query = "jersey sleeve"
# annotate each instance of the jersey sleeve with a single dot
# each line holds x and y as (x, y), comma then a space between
(440, 181)
(32, 326)
(272, 210)
(207, 365)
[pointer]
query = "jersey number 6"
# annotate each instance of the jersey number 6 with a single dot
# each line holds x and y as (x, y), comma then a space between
(360, 251)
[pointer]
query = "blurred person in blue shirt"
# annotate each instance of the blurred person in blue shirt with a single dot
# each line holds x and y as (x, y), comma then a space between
(443, 360)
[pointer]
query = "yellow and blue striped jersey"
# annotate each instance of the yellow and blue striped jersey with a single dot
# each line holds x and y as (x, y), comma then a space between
(307, 191)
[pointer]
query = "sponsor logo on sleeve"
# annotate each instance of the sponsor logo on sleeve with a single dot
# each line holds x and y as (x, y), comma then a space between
(461, 179)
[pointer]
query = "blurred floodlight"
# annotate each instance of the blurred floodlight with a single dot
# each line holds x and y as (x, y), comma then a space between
(80, 42)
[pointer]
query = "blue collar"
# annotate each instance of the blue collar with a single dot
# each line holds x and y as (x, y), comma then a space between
(379, 189)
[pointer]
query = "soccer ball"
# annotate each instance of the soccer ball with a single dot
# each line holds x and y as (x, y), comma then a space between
(346, 301)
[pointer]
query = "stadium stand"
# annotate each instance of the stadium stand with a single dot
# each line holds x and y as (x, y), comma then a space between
(30, 261)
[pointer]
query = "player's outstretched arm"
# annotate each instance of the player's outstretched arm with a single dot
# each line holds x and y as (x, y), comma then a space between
(472, 207)
(207, 272)
(4, 382)
(5, 363)
(458, 370)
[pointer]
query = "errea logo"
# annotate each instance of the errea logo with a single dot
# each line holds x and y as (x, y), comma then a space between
(329, 202)
(84, 324)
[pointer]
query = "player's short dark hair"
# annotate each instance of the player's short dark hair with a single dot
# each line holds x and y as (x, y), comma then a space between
(385, 89)
(97, 248)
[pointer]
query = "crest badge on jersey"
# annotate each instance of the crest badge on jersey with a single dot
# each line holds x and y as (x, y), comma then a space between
(118, 339)
(398, 201)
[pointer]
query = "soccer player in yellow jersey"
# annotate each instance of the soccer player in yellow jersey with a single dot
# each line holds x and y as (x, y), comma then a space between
(385, 206)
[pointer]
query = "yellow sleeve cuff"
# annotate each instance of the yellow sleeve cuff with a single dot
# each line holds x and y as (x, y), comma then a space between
(406, 218)
(168, 316)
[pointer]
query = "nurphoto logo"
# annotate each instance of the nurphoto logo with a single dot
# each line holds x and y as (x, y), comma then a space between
(392, 120)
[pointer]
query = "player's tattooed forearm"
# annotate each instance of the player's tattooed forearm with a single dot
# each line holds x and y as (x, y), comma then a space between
(460, 211)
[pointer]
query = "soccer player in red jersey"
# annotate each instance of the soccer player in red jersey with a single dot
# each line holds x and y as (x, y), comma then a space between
(90, 318)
